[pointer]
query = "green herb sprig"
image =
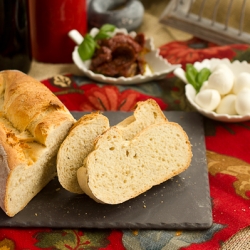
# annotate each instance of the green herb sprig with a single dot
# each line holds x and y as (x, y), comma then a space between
(87, 48)
(195, 77)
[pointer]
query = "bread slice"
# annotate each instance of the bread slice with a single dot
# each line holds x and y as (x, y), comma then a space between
(77, 145)
(118, 170)
(146, 113)
(33, 124)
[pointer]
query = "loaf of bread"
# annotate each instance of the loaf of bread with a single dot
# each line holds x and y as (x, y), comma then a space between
(118, 169)
(80, 141)
(33, 124)
(77, 145)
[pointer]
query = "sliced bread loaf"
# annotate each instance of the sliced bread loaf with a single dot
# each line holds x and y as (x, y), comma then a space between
(118, 170)
(33, 124)
(77, 145)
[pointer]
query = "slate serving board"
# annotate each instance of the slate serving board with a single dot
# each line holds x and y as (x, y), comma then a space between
(182, 202)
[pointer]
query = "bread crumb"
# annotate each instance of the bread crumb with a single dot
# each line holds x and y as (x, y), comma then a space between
(135, 232)
(178, 233)
(144, 206)
(58, 189)
(35, 214)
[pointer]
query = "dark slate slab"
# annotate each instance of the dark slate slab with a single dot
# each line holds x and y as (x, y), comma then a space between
(182, 202)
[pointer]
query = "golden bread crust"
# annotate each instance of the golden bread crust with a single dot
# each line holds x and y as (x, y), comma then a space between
(25, 98)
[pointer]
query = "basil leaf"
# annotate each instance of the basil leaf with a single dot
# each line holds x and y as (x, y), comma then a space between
(101, 35)
(196, 78)
(191, 73)
(104, 31)
(107, 28)
(87, 48)
(202, 76)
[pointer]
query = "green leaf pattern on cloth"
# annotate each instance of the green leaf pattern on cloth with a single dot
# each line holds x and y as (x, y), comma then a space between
(72, 239)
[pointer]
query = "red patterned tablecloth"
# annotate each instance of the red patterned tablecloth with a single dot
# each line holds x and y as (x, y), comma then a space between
(228, 157)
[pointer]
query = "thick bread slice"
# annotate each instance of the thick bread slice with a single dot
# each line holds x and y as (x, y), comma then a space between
(118, 170)
(146, 113)
(77, 145)
(30, 135)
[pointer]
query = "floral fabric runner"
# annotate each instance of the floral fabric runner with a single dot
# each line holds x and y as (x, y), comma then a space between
(227, 156)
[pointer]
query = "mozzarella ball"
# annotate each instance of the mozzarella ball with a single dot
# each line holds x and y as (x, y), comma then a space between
(242, 81)
(222, 66)
(208, 99)
(221, 80)
(242, 102)
(227, 105)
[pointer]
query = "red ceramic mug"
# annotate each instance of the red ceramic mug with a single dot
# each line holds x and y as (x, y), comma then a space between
(50, 21)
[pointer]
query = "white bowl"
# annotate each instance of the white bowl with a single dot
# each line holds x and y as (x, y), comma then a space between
(236, 66)
(159, 66)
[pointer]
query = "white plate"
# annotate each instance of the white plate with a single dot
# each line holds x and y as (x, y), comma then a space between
(159, 66)
(236, 67)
